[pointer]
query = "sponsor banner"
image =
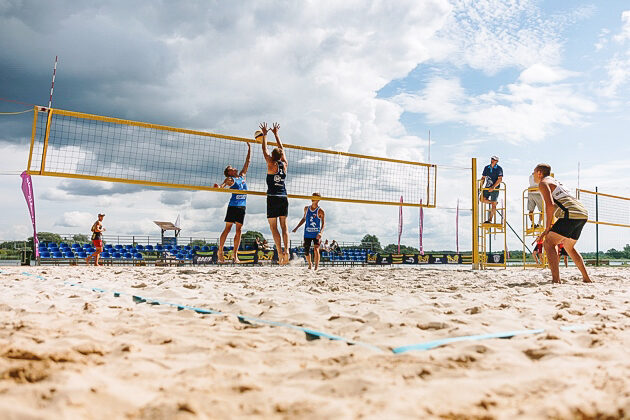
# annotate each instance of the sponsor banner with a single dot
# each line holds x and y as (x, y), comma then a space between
(495, 258)
(210, 257)
(169, 240)
(386, 259)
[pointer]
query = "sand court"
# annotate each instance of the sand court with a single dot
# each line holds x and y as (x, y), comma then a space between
(71, 349)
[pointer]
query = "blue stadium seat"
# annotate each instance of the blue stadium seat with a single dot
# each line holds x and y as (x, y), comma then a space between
(196, 248)
(44, 254)
(148, 248)
(128, 256)
(128, 248)
(159, 248)
(117, 255)
(109, 247)
(118, 247)
(139, 248)
(188, 248)
(81, 254)
(168, 247)
(205, 248)
(137, 256)
(69, 254)
(105, 254)
(57, 254)
(75, 246)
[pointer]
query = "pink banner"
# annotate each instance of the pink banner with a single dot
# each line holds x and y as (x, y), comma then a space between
(27, 189)
(400, 224)
(421, 226)
(457, 227)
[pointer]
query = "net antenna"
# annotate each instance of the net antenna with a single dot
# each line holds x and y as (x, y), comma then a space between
(84, 146)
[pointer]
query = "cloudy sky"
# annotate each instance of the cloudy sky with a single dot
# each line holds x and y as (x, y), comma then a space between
(529, 81)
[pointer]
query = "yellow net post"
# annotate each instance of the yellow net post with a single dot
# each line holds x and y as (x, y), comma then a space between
(475, 220)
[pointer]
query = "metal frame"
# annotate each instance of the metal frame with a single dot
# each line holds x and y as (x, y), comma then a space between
(532, 232)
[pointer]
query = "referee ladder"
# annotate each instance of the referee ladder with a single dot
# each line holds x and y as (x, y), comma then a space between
(494, 232)
(532, 228)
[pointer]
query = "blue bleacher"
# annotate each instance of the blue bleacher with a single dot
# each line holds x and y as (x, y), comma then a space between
(205, 248)
(148, 248)
(105, 254)
(137, 256)
(139, 248)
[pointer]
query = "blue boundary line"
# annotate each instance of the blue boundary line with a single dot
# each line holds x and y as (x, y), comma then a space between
(314, 334)
(309, 333)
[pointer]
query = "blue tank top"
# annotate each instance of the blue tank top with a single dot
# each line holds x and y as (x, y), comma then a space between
(313, 223)
(238, 200)
(275, 182)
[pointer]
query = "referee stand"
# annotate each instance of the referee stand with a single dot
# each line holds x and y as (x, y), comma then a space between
(532, 230)
(494, 232)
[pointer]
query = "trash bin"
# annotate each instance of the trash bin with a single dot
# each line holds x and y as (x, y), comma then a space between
(26, 256)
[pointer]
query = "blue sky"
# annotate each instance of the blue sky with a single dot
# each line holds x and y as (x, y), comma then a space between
(530, 81)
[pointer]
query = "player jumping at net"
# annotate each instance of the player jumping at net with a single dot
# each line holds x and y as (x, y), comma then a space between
(571, 217)
(234, 180)
(315, 219)
(277, 201)
(97, 240)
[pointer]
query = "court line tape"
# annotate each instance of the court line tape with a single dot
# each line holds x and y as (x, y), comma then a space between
(314, 334)
(309, 333)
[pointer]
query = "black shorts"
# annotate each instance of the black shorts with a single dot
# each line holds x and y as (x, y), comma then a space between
(235, 214)
(277, 206)
(562, 252)
(307, 243)
(569, 228)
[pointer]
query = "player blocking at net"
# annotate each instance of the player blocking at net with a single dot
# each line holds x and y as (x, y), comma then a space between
(234, 180)
(315, 219)
(277, 200)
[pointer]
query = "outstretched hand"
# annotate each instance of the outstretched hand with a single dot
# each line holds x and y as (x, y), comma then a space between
(264, 128)
(275, 128)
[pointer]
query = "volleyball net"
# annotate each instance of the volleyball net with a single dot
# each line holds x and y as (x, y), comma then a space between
(76, 145)
(606, 209)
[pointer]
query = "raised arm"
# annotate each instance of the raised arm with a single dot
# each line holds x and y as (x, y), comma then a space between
(264, 129)
(247, 160)
(274, 130)
(301, 221)
(227, 182)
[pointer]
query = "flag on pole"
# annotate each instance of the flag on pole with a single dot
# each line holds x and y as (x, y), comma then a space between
(177, 222)
(400, 223)
(421, 226)
(27, 189)
(457, 227)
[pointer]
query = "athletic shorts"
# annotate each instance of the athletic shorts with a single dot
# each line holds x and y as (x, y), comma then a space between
(98, 243)
(539, 248)
(533, 201)
(491, 195)
(277, 206)
(562, 252)
(235, 214)
(307, 243)
(569, 228)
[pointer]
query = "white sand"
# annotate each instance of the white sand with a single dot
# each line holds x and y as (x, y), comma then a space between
(69, 352)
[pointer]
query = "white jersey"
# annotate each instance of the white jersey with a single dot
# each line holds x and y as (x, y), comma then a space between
(567, 206)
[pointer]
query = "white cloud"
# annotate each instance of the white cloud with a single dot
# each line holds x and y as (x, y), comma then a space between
(624, 35)
(540, 73)
(517, 113)
(75, 219)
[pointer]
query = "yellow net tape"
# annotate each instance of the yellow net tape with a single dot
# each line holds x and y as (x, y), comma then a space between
(77, 145)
